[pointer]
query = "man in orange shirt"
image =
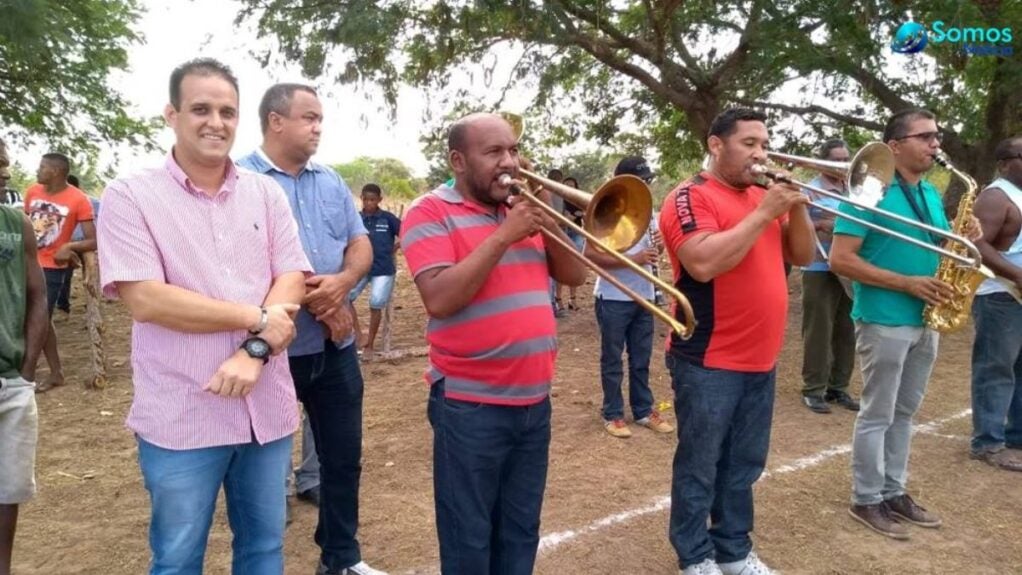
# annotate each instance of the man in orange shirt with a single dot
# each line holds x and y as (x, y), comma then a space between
(55, 208)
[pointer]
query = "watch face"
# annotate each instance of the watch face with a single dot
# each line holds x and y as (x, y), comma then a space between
(257, 348)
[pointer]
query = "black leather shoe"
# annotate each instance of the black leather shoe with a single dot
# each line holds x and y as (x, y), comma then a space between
(816, 404)
(310, 496)
(843, 399)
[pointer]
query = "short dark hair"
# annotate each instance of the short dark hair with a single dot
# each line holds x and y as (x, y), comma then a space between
(457, 135)
(277, 100)
(372, 189)
(897, 124)
(555, 174)
(572, 178)
(73, 180)
(726, 122)
(198, 67)
(829, 145)
(61, 160)
(1005, 148)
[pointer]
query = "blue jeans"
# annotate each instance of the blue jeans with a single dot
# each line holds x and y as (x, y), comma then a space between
(489, 473)
(625, 325)
(330, 386)
(996, 373)
(724, 422)
(183, 486)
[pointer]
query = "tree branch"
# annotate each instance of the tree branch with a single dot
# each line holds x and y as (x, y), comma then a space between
(814, 109)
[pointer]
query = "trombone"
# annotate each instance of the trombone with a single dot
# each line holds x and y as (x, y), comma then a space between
(617, 216)
(866, 177)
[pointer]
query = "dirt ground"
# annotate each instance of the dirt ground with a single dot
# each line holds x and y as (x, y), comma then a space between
(605, 510)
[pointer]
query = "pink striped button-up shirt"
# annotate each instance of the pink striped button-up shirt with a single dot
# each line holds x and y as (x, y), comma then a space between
(157, 226)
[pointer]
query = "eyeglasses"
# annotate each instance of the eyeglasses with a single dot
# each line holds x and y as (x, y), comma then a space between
(1003, 159)
(925, 137)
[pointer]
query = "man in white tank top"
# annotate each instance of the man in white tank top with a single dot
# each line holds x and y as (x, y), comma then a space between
(997, 349)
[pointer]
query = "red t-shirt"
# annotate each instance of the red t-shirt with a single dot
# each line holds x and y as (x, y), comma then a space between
(54, 217)
(500, 348)
(741, 313)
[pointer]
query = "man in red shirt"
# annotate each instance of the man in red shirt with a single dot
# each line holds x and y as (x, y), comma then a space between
(55, 208)
(482, 271)
(728, 240)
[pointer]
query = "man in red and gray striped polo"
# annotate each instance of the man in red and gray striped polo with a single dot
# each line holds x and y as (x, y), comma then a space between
(482, 269)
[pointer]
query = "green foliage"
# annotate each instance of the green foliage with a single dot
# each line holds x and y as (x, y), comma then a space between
(391, 175)
(663, 70)
(55, 61)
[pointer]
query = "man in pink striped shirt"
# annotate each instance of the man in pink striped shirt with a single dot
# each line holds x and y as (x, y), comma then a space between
(208, 261)
(482, 271)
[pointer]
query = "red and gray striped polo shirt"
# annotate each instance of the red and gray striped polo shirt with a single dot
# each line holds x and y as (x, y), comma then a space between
(500, 348)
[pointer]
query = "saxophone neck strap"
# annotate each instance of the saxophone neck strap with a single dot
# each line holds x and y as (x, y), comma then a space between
(914, 196)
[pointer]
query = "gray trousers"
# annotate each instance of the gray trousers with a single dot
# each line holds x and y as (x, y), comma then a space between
(896, 364)
(307, 475)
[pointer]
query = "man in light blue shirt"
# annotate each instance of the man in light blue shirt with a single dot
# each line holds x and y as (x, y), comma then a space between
(624, 324)
(322, 357)
(828, 334)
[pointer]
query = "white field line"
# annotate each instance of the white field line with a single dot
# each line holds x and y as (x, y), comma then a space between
(553, 540)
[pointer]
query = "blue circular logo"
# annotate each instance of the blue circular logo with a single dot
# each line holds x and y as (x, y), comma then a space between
(909, 39)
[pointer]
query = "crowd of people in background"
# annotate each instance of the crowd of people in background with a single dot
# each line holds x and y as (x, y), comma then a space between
(241, 279)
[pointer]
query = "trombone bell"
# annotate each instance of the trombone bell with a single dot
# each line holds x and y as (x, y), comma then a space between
(866, 176)
(618, 214)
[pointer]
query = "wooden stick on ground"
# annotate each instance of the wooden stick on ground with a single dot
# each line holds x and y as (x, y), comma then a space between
(94, 320)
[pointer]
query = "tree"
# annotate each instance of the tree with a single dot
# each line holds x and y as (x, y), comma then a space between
(55, 62)
(668, 67)
(390, 174)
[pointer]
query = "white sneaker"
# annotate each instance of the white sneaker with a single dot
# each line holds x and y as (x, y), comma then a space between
(361, 568)
(751, 565)
(707, 567)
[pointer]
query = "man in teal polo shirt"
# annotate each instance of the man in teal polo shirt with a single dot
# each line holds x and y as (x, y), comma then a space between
(893, 280)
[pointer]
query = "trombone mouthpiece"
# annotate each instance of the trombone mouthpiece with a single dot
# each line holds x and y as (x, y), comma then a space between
(505, 180)
(759, 169)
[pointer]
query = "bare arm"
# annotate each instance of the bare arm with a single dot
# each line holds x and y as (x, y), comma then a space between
(711, 254)
(36, 321)
(176, 308)
(446, 291)
(562, 260)
(991, 209)
(799, 237)
(846, 261)
(89, 243)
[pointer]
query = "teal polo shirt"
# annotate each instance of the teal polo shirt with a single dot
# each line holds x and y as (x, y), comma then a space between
(879, 305)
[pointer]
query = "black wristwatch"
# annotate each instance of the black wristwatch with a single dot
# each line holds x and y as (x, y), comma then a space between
(257, 348)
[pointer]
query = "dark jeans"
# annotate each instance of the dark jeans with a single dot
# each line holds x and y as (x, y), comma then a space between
(330, 386)
(56, 279)
(489, 473)
(828, 334)
(625, 325)
(996, 373)
(64, 299)
(724, 422)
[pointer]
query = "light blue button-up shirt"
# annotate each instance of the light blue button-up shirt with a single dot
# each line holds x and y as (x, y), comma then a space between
(324, 208)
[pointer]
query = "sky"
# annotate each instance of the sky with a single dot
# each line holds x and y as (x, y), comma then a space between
(355, 124)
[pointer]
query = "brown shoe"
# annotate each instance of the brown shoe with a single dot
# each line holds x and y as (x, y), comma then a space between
(655, 422)
(617, 428)
(1008, 459)
(903, 507)
(878, 518)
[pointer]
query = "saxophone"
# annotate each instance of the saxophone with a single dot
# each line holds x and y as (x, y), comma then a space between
(963, 279)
